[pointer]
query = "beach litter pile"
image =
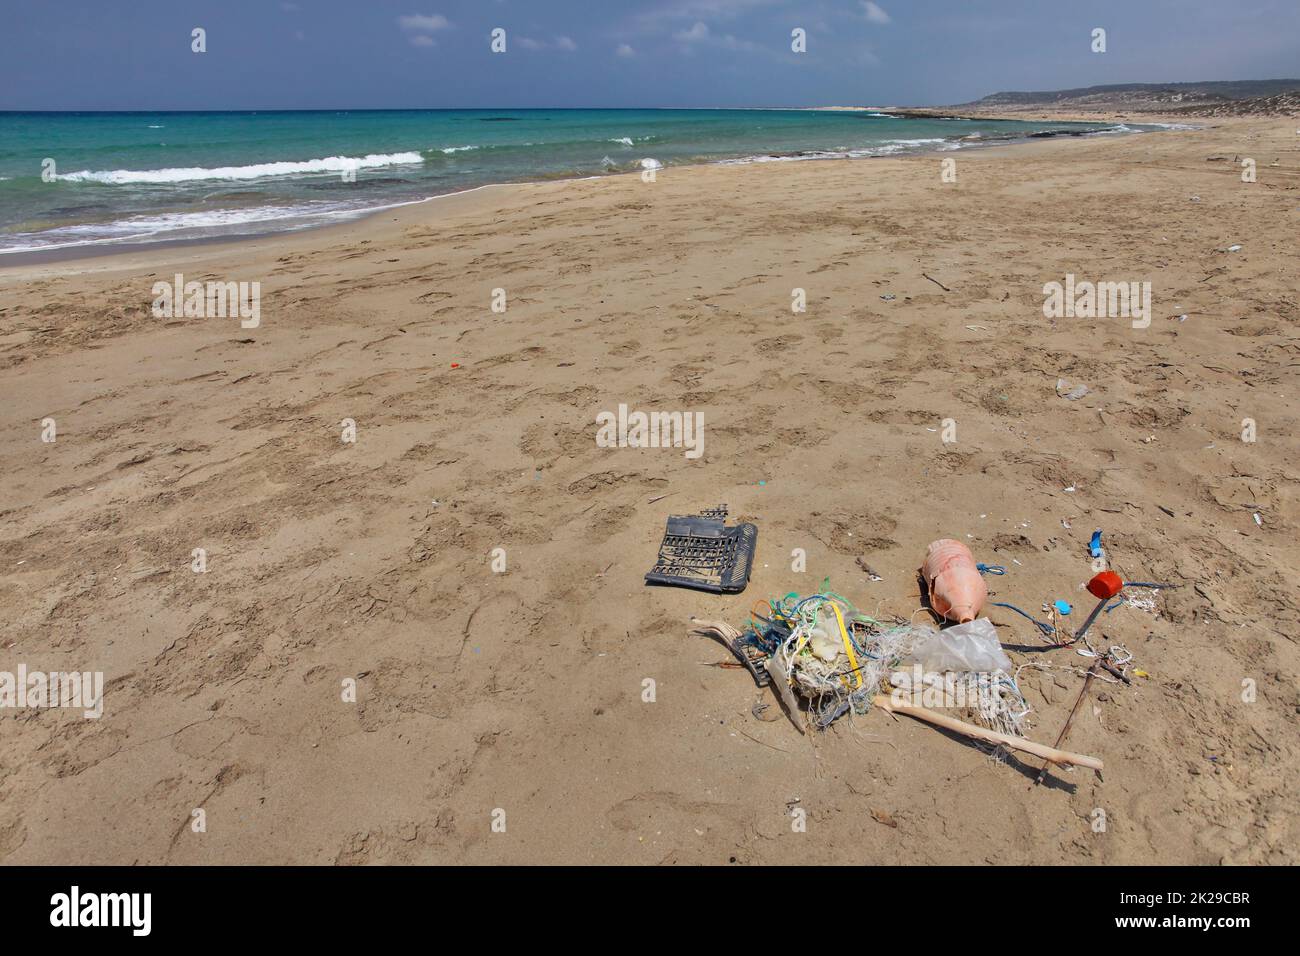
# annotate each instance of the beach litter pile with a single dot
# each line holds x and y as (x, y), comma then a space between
(819, 649)
(839, 661)
(825, 659)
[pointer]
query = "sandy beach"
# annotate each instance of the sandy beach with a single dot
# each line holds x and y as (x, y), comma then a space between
(480, 691)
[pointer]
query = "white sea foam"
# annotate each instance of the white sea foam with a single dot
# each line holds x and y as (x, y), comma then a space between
(886, 148)
(457, 149)
(625, 140)
(167, 225)
(898, 145)
(330, 164)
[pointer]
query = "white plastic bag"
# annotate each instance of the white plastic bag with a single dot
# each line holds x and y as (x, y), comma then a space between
(973, 646)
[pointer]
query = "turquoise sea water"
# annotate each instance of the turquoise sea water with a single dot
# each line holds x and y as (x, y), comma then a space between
(147, 177)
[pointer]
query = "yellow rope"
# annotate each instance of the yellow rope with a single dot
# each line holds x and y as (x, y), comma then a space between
(848, 644)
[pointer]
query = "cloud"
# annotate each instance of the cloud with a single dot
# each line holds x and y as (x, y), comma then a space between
(424, 41)
(874, 12)
(695, 34)
(560, 43)
(733, 43)
(423, 22)
(700, 34)
(624, 50)
(697, 10)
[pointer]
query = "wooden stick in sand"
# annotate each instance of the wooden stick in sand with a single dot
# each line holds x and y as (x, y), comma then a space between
(1087, 682)
(1050, 754)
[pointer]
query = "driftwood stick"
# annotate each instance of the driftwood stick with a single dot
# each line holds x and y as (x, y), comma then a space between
(1050, 754)
(1087, 682)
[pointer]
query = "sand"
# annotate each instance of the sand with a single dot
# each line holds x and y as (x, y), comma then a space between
(479, 692)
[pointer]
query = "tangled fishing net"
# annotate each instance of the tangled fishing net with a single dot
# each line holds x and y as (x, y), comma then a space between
(838, 660)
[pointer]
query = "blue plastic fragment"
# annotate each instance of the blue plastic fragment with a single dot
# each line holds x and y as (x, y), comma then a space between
(1094, 546)
(1062, 607)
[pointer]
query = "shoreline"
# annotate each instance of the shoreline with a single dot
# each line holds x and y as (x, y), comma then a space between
(108, 249)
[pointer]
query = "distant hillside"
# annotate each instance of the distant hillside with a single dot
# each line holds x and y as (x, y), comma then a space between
(1283, 104)
(1177, 93)
(1210, 98)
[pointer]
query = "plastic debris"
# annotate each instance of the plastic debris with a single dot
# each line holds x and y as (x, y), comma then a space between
(821, 649)
(957, 590)
(1070, 394)
(973, 646)
(1094, 546)
(699, 551)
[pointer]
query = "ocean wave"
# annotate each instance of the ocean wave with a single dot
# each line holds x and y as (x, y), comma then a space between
(330, 164)
(456, 149)
(625, 140)
(887, 148)
(894, 145)
(191, 225)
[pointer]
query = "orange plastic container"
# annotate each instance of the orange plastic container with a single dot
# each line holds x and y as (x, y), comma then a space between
(957, 589)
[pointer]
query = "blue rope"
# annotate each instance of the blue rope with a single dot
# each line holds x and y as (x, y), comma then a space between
(1045, 628)
(990, 569)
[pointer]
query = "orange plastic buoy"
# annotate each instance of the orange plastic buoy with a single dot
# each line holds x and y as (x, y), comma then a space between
(957, 589)
(1105, 585)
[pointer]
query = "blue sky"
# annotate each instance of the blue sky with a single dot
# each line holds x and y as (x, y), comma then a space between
(267, 54)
